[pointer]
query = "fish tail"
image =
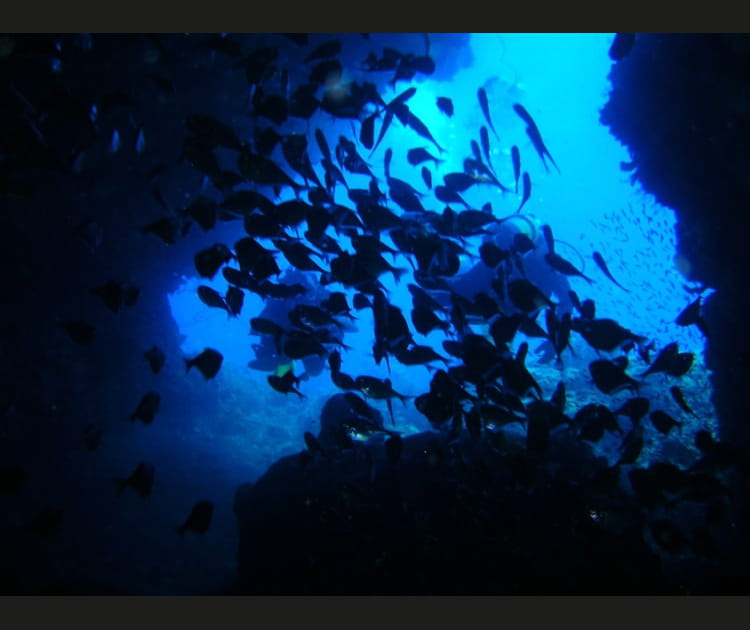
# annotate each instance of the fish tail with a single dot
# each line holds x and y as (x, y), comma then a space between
(120, 484)
(188, 364)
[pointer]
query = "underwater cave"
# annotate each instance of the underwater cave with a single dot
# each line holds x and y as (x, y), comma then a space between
(139, 168)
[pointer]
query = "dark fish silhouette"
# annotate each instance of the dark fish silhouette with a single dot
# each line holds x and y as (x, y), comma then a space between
(12, 479)
(92, 436)
(663, 422)
(515, 158)
(147, 408)
(535, 136)
(208, 363)
(526, 180)
(679, 398)
(46, 523)
(199, 518)
(599, 260)
(80, 332)
(445, 105)
(141, 479)
(484, 104)
(610, 377)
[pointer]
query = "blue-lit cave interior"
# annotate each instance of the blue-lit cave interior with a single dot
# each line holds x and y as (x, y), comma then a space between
(346, 313)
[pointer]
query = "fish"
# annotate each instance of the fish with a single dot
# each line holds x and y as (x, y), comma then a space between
(329, 48)
(664, 360)
(234, 299)
(418, 155)
(199, 519)
(484, 104)
(663, 422)
(367, 130)
(599, 260)
(156, 358)
(631, 447)
(526, 296)
(92, 436)
(46, 523)
(141, 479)
(485, 140)
(558, 263)
(211, 132)
(610, 378)
(208, 363)
(147, 408)
(621, 46)
(604, 334)
(634, 408)
(526, 188)
(445, 105)
(535, 136)
(426, 177)
(211, 297)
(12, 479)
(691, 315)
(515, 158)
(285, 382)
(166, 228)
(79, 331)
(679, 398)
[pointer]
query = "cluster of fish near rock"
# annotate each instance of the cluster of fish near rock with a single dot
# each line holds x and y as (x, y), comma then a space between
(484, 384)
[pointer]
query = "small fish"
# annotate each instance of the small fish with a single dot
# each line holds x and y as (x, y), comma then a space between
(599, 260)
(515, 158)
(208, 363)
(419, 155)
(679, 398)
(12, 479)
(610, 378)
(558, 263)
(166, 228)
(427, 177)
(663, 422)
(327, 49)
(484, 138)
(526, 179)
(211, 297)
(445, 105)
(285, 382)
(548, 238)
(535, 136)
(114, 143)
(691, 314)
(92, 436)
(484, 104)
(367, 132)
(140, 141)
(208, 261)
(141, 479)
(80, 332)
(199, 518)
(46, 523)
(147, 408)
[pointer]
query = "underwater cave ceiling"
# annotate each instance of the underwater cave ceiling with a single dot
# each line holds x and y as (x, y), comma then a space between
(681, 104)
